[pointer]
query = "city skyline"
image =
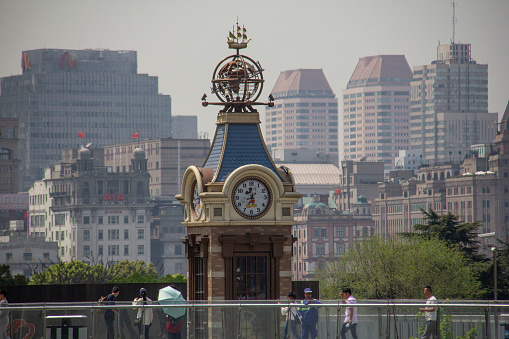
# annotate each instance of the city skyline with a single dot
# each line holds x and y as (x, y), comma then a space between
(181, 44)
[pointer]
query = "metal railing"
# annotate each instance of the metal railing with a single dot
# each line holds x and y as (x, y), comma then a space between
(260, 319)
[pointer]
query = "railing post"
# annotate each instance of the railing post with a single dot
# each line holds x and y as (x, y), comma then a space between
(327, 321)
(487, 332)
(43, 321)
(338, 326)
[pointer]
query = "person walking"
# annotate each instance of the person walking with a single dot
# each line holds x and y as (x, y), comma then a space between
(350, 323)
(4, 314)
(430, 314)
(174, 327)
(109, 316)
(292, 319)
(308, 315)
(145, 315)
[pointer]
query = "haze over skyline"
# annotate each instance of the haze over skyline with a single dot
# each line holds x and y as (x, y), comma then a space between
(181, 42)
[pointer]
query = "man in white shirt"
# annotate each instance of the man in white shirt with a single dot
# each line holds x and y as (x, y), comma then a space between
(350, 323)
(430, 314)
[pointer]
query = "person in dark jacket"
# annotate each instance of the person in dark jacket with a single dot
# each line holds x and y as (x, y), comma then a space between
(308, 315)
(109, 316)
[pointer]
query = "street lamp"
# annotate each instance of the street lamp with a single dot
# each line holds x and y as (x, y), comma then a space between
(494, 250)
(486, 236)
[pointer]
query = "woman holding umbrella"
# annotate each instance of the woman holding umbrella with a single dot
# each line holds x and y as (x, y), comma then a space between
(145, 315)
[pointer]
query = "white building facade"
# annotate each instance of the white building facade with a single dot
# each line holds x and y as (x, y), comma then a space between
(93, 214)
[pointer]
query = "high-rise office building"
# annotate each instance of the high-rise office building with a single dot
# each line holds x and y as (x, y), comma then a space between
(305, 113)
(376, 109)
(97, 94)
(449, 101)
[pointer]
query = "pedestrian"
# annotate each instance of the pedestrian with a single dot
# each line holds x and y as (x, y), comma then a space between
(145, 315)
(430, 314)
(292, 319)
(4, 315)
(308, 315)
(173, 327)
(350, 323)
(109, 315)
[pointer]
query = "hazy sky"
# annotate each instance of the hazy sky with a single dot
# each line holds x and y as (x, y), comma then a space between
(182, 41)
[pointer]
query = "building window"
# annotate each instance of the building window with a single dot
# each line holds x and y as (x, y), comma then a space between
(141, 233)
(45, 255)
(86, 250)
(141, 249)
(252, 273)
(178, 250)
(340, 232)
(86, 234)
(100, 234)
(340, 248)
(126, 234)
(141, 219)
(8, 256)
(86, 220)
(316, 232)
(62, 235)
(113, 219)
(324, 233)
(126, 249)
(27, 256)
(126, 219)
(113, 234)
(113, 249)
(100, 252)
(320, 249)
(100, 220)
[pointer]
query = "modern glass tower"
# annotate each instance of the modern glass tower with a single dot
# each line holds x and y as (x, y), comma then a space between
(68, 98)
(449, 100)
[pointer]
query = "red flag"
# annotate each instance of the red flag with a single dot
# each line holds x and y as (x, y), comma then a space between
(338, 191)
(81, 135)
(136, 135)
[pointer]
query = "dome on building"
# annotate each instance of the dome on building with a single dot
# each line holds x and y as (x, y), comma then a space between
(139, 154)
(361, 199)
(84, 154)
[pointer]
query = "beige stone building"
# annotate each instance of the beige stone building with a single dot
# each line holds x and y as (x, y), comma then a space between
(478, 190)
(167, 160)
(357, 178)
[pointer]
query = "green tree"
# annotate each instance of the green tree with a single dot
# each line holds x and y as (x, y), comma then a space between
(74, 272)
(379, 269)
(449, 228)
(125, 269)
(7, 279)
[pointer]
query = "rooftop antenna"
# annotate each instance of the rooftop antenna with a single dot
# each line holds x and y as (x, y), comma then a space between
(454, 21)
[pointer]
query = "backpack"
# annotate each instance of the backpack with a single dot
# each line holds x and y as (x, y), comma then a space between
(101, 302)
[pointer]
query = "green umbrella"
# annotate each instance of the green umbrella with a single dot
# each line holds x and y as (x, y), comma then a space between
(171, 296)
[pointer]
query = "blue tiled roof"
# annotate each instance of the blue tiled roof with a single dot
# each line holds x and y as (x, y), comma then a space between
(244, 146)
(215, 153)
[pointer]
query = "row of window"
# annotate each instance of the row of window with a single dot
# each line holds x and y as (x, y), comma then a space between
(112, 250)
(112, 219)
(26, 256)
(112, 234)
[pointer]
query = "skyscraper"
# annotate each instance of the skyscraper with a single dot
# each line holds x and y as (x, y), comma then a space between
(97, 94)
(449, 101)
(305, 113)
(376, 109)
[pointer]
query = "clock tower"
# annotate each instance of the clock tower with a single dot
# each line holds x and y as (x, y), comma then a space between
(238, 204)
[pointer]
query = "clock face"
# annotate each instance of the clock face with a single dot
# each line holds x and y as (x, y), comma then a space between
(196, 204)
(251, 198)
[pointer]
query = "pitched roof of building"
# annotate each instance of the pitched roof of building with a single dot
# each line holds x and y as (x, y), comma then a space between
(302, 81)
(314, 174)
(379, 67)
